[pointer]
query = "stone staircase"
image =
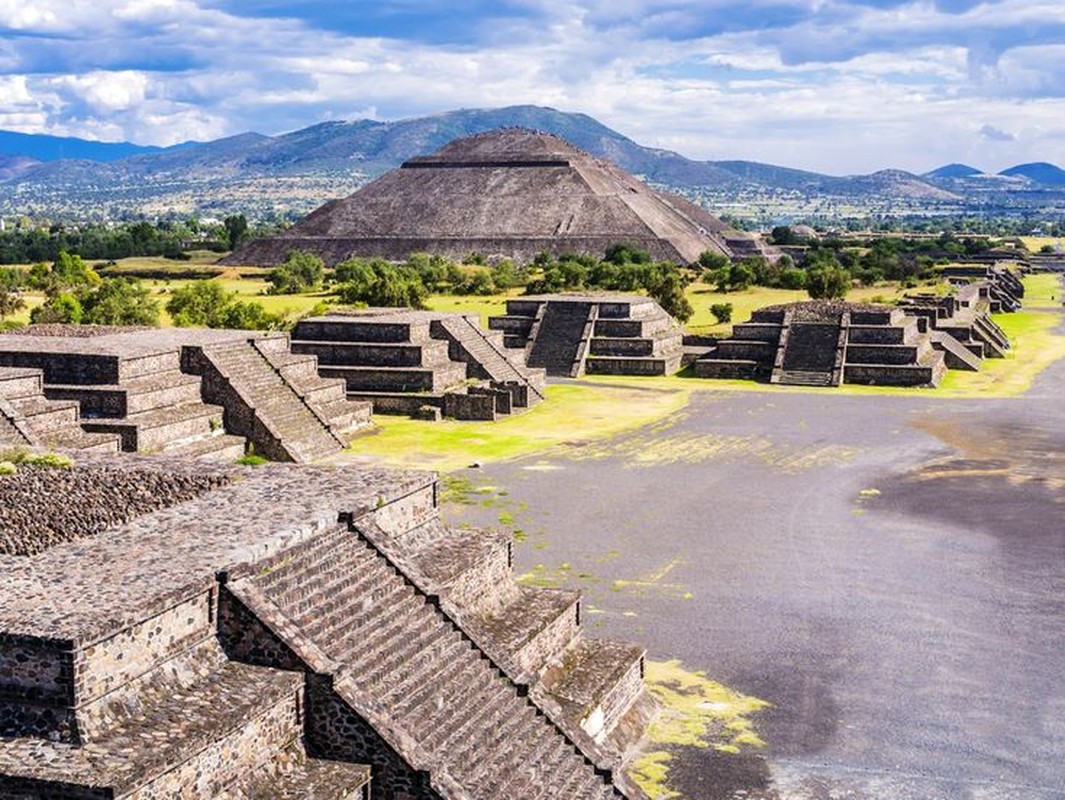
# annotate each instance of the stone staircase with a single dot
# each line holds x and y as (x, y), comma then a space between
(560, 344)
(419, 363)
(573, 334)
(398, 661)
(955, 354)
(29, 418)
(326, 397)
(486, 357)
(825, 344)
(259, 640)
(530, 632)
(810, 355)
(261, 405)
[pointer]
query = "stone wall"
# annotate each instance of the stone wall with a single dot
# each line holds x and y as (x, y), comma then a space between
(334, 730)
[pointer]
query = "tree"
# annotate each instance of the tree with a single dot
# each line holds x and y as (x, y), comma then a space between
(379, 283)
(200, 303)
(667, 289)
(712, 259)
(249, 315)
(301, 272)
(505, 274)
(236, 226)
(782, 234)
(722, 312)
(731, 278)
(827, 283)
(120, 301)
(624, 253)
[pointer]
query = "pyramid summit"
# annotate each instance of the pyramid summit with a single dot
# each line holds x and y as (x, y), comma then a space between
(512, 192)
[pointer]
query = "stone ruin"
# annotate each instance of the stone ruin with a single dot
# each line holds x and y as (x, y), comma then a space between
(826, 343)
(287, 631)
(570, 335)
(421, 363)
(189, 392)
(512, 193)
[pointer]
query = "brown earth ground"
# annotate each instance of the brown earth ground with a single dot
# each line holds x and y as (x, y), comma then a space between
(886, 571)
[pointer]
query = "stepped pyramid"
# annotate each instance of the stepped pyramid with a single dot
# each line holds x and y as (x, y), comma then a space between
(569, 335)
(510, 192)
(826, 343)
(29, 419)
(286, 631)
(189, 392)
(421, 363)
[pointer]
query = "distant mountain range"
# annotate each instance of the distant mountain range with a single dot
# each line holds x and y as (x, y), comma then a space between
(295, 172)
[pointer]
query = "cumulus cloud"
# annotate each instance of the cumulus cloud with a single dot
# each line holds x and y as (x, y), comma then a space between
(835, 85)
(993, 134)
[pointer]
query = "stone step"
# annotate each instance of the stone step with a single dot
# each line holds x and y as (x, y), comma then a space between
(75, 438)
(398, 379)
(221, 447)
(795, 377)
(304, 559)
(471, 568)
(131, 396)
(537, 625)
(44, 416)
(744, 369)
(596, 681)
(189, 734)
(292, 775)
(16, 382)
(150, 431)
(364, 354)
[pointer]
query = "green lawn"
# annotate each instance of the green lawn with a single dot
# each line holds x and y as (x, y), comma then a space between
(571, 416)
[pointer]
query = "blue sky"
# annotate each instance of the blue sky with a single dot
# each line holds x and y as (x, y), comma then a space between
(841, 87)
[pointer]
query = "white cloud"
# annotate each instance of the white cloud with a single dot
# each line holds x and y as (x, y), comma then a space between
(846, 89)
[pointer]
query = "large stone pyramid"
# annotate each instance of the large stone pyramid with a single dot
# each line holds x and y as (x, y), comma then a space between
(511, 192)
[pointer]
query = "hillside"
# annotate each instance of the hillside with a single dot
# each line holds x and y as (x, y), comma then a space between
(1039, 172)
(293, 173)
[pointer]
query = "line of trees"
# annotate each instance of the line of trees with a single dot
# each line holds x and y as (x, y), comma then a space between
(28, 244)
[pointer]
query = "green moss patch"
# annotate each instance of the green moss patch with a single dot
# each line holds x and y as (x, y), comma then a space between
(696, 712)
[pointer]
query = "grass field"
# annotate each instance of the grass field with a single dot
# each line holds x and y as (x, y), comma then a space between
(1033, 244)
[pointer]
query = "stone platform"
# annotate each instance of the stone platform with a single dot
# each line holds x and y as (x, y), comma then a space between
(569, 335)
(421, 363)
(187, 391)
(286, 631)
(826, 343)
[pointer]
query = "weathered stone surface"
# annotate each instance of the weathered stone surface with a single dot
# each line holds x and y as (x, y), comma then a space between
(510, 193)
(255, 640)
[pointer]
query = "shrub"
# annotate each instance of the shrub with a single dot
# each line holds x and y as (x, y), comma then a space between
(301, 272)
(722, 312)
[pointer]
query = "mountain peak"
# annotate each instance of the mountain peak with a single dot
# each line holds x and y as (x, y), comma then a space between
(1038, 172)
(954, 170)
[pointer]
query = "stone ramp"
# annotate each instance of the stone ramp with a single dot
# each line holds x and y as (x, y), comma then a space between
(409, 671)
(484, 356)
(559, 344)
(262, 406)
(955, 354)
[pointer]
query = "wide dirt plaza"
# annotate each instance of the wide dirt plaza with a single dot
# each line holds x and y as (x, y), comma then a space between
(884, 570)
